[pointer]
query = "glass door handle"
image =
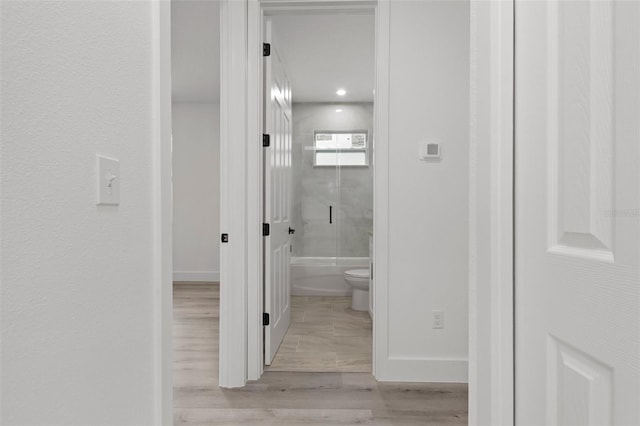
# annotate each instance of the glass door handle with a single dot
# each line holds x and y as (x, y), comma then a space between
(330, 214)
(291, 231)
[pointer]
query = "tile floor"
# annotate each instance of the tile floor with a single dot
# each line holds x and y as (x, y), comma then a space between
(289, 398)
(325, 335)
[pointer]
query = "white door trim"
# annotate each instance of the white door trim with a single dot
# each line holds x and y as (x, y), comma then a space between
(163, 211)
(381, 363)
(255, 205)
(491, 311)
(486, 93)
(256, 11)
(496, 355)
(234, 189)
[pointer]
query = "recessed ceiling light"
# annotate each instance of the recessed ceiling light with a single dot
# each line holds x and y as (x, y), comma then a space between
(338, 110)
(341, 92)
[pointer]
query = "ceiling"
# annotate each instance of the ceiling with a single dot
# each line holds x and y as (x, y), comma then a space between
(195, 50)
(322, 53)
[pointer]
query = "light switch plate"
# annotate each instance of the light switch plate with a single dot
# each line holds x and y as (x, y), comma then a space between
(108, 181)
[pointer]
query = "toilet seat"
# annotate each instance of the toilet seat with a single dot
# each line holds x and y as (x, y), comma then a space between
(358, 273)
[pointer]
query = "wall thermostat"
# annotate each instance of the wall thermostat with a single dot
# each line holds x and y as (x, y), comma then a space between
(430, 150)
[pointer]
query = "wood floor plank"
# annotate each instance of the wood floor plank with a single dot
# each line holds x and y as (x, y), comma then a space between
(324, 326)
(295, 398)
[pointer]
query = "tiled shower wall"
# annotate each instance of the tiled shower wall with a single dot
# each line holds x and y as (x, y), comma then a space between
(349, 190)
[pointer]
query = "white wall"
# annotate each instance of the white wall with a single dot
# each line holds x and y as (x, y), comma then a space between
(78, 291)
(428, 201)
(196, 192)
(195, 50)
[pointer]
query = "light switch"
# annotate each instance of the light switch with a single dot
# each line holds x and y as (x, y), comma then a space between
(108, 181)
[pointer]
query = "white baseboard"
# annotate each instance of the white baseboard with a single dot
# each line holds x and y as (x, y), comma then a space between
(207, 276)
(401, 369)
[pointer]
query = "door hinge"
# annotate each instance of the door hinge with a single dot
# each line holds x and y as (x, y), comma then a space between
(265, 229)
(266, 49)
(265, 319)
(266, 141)
(224, 238)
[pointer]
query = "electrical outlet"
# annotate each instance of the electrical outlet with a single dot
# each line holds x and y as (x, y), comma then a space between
(438, 319)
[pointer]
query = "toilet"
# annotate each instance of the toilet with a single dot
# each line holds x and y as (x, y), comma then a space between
(358, 280)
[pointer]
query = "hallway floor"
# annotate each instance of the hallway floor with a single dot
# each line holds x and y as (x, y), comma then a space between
(289, 398)
(325, 335)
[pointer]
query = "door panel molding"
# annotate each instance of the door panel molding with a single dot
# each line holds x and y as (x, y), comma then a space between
(580, 96)
(576, 381)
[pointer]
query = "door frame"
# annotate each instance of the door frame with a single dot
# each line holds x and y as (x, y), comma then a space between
(491, 214)
(491, 198)
(491, 78)
(237, 207)
(256, 12)
(162, 218)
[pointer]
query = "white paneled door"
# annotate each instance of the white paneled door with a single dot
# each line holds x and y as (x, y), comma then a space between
(577, 218)
(277, 200)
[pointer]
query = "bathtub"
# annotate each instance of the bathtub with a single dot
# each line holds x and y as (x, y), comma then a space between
(323, 276)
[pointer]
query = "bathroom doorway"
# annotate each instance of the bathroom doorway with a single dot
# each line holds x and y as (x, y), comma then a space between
(318, 191)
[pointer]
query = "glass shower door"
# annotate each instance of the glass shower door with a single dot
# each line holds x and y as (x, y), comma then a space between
(355, 213)
(319, 197)
(336, 197)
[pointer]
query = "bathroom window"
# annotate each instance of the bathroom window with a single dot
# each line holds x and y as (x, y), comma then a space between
(340, 149)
